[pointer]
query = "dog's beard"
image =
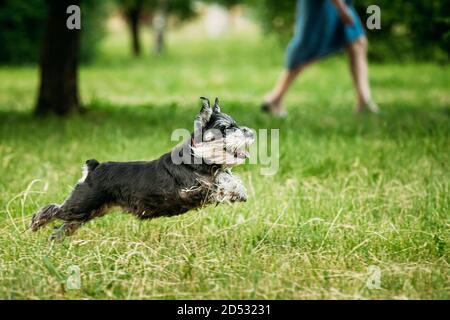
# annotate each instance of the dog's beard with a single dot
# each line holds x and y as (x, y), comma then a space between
(229, 151)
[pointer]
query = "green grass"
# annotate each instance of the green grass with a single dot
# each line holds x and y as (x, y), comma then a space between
(351, 191)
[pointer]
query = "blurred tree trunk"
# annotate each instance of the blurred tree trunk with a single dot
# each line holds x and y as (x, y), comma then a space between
(159, 25)
(58, 92)
(133, 16)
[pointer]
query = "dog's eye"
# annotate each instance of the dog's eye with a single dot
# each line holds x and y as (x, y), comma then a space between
(209, 136)
(230, 128)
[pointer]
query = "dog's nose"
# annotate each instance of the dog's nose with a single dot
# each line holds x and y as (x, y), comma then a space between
(247, 132)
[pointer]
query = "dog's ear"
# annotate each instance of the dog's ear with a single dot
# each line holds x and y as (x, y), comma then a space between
(205, 112)
(216, 107)
(202, 119)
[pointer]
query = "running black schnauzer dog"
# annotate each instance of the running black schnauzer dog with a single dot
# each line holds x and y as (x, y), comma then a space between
(194, 174)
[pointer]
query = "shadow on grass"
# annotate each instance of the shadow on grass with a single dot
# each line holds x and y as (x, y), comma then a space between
(133, 121)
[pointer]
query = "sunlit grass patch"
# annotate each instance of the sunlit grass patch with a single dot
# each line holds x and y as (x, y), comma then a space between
(351, 191)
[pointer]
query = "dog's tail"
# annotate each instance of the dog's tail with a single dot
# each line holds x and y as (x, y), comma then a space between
(44, 216)
(88, 168)
(91, 164)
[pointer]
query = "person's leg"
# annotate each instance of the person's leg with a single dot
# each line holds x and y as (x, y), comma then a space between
(275, 97)
(357, 52)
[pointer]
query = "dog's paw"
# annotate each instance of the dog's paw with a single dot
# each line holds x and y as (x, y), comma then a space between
(66, 229)
(43, 217)
(237, 197)
(229, 188)
(57, 233)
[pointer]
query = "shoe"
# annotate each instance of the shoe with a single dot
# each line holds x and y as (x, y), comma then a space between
(266, 107)
(370, 106)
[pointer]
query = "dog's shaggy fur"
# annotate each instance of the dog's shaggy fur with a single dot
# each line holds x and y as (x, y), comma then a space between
(161, 187)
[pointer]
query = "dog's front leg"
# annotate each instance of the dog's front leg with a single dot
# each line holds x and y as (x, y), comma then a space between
(229, 188)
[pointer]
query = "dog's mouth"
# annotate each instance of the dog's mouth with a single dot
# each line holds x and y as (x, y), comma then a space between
(239, 153)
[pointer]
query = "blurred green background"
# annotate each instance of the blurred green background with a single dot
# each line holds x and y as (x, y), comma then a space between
(411, 30)
(351, 191)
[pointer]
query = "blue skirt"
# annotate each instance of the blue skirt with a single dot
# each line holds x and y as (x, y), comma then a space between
(319, 32)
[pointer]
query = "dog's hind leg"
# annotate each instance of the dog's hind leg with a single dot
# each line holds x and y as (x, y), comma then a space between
(84, 203)
(66, 229)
